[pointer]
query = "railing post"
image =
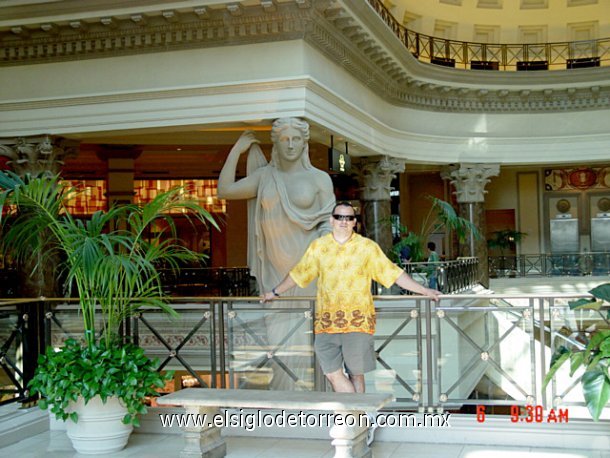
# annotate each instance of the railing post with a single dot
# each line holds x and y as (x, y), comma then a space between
(429, 359)
(32, 322)
(214, 316)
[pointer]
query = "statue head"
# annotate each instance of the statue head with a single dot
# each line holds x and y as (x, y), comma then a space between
(279, 128)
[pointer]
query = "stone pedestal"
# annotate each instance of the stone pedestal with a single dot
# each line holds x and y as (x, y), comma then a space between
(469, 181)
(350, 440)
(202, 441)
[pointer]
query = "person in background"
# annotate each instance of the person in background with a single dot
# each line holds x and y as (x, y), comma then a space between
(433, 257)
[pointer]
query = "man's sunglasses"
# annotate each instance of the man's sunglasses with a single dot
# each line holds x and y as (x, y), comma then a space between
(344, 217)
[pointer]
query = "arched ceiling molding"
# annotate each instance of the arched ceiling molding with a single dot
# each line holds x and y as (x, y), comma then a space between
(347, 31)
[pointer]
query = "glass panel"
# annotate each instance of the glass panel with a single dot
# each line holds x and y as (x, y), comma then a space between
(399, 353)
(271, 348)
(11, 354)
(482, 353)
(182, 344)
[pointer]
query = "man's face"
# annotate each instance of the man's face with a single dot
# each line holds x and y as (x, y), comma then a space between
(346, 221)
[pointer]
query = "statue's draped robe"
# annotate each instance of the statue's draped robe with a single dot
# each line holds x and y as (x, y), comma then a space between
(278, 235)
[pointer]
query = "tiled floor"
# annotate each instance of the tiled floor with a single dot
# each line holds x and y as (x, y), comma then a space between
(55, 444)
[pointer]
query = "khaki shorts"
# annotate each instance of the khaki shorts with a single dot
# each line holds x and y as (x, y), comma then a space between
(354, 350)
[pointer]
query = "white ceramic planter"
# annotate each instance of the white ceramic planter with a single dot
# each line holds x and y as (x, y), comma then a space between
(100, 428)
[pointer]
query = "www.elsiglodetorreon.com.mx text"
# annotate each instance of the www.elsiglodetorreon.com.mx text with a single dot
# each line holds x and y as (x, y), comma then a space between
(259, 419)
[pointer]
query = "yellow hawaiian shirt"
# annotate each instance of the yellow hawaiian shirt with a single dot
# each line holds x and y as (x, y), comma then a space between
(344, 272)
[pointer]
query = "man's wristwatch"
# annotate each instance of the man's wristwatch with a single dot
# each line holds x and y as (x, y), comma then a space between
(275, 293)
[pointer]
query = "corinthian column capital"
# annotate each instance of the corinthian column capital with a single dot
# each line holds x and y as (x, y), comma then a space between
(36, 155)
(376, 175)
(469, 180)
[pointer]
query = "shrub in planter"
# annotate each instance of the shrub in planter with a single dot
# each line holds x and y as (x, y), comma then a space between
(105, 371)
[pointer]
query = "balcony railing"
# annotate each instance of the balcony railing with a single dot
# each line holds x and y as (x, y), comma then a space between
(465, 351)
(492, 56)
(536, 265)
(449, 277)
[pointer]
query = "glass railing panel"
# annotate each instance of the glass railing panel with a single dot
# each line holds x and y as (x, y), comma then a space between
(399, 348)
(481, 352)
(571, 329)
(270, 346)
(11, 362)
(188, 344)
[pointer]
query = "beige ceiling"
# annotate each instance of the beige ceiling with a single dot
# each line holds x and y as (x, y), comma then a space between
(505, 21)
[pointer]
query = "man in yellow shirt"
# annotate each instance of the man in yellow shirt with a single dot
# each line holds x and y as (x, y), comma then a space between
(344, 264)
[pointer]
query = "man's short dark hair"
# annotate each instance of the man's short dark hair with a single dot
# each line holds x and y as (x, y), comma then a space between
(431, 246)
(343, 203)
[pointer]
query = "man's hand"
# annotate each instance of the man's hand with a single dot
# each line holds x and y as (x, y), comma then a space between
(267, 297)
(432, 293)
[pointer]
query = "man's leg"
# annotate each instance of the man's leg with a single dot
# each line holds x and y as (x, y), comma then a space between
(357, 382)
(340, 383)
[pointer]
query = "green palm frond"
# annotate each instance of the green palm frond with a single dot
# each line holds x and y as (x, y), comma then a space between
(109, 259)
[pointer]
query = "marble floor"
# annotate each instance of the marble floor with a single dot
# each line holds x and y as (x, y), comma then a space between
(55, 444)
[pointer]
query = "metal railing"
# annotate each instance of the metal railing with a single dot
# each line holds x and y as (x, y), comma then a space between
(492, 56)
(449, 277)
(464, 351)
(542, 264)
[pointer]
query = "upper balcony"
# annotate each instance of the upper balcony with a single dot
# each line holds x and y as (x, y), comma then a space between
(497, 56)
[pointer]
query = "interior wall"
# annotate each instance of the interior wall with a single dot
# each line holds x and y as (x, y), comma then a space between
(529, 212)
(416, 209)
(235, 227)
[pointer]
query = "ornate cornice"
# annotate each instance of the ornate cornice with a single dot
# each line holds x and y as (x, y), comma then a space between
(328, 25)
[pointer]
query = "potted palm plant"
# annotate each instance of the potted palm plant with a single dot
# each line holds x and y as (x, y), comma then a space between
(593, 355)
(110, 263)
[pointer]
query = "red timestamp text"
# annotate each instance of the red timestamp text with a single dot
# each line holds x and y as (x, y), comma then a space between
(530, 414)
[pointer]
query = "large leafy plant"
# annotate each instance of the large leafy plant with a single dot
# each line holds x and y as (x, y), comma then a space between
(99, 370)
(594, 358)
(110, 261)
(440, 217)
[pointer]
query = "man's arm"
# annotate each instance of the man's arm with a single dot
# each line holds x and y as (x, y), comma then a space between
(406, 282)
(286, 284)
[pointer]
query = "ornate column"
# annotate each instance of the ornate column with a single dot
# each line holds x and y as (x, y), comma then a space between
(37, 155)
(469, 181)
(376, 174)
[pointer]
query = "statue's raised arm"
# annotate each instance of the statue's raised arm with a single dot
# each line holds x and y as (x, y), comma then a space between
(246, 188)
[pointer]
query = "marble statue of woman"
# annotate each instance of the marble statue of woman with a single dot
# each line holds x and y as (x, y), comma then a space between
(290, 203)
